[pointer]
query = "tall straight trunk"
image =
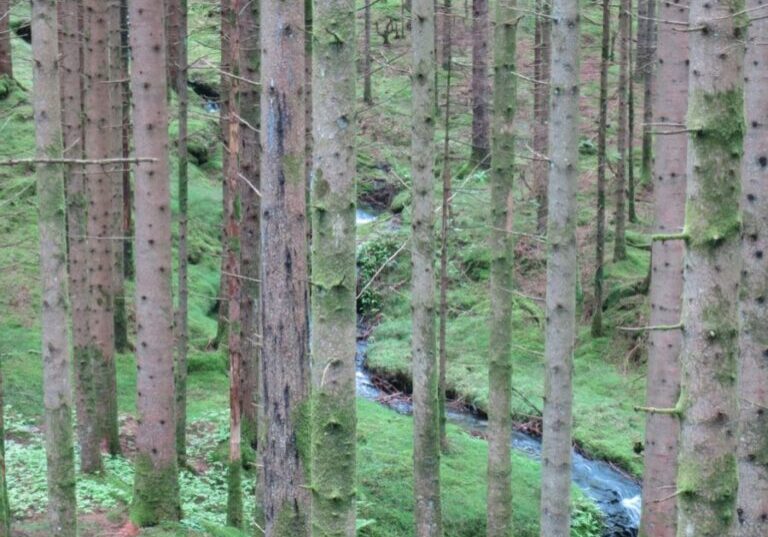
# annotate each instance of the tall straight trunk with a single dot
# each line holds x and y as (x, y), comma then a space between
(620, 217)
(250, 233)
(367, 89)
(6, 56)
(5, 509)
(156, 487)
(481, 84)
(662, 431)
(752, 498)
(126, 124)
(502, 271)
(426, 429)
(174, 37)
(57, 388)
(447, 47)
(70, 42)
(100, 190)
(333, 269)
(562, 268)
(232, 278)
(646, 51)
(285, 374)
(542, 67)
(631, 212)
(602, 128)
(707, 471)
(182, 313)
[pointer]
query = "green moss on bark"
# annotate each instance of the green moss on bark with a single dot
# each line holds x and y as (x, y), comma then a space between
(235, 495)
(155, 493)
(714, 483)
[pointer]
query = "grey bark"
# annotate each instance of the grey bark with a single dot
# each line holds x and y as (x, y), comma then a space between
(6, 56)
(620, 217)
(541, 69)
(481, 84)
(561, 271)
(57, 388)
(367, 89)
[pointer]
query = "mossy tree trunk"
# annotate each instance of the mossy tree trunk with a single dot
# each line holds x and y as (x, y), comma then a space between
(752, 499)
(333, 269)
(602, 128)
(232, 274)
(447, 37)
(562, 268)
(645, 61)
(481, 85)
(99, 190)
(156, 488)
(367, 87)
(541, 69)
(70, 42)
(6, 56)
(707, 469)
(285, 374)
(5, 508)
(502, 271)
(250, 232)
(426, 442)
(127, 245)
(57, 388)
(620, 193)
(182, 311)
(631, 209)
(662, 431)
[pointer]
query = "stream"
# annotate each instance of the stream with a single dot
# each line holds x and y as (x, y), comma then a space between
(615, 493)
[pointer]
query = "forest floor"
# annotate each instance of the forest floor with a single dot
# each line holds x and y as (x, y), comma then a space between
(609, 375)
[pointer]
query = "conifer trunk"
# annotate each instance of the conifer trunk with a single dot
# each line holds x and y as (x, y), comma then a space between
(707, 471)
(174, 36)
(447, 47)
(285, 374)
(426, 443)
(127, 245)
(367, 89)
(57, 388)
(70, 40)
(156, 488)
(182, 313)
(502, 271)
(481, 84)
(6, 56)
(562, 268)
(646, 57)
(250, 232)
(620, 219)
(542, 67)
(662, 431)
(602, 128)
(333, 269)
(752, 499)
(5, 509)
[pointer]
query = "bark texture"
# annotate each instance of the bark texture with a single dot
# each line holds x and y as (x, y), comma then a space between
(367, 88)
(752, 499)
(5, 509)
(285, 373)
(57, 388)
(481, 84)
(562, 268)
(333, 270)
(662, 431)
(426, 429)
(707, 470)
(6, 56)
(541, 70)
(70, 42)
(502, 272)
(156, 488)
(645, 61)
(620, 218)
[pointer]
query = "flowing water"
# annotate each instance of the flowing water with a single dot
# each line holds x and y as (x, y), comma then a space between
(615, 493)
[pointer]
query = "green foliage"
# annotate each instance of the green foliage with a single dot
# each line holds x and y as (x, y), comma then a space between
(371, 256)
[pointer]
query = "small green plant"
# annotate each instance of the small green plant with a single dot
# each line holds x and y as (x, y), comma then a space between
(371, 258)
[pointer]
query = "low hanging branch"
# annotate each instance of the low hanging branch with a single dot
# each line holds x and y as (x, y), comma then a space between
(654, 410)
(660, 327)
(76, 161)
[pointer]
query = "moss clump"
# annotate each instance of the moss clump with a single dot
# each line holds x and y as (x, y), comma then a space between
(712, 211)
(155, 493)
(709, 486)
(6, 86)
(235, 495)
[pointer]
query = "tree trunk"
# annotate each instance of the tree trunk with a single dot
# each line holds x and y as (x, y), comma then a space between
(284, 274)
(445, 215)
(502, 271)
(662, 431)
(542, 67)
(128, 271)
(156, 488)
(100, 190)
(367, 89)
(57, 389)
(646, 51)
(481, 84)
(6, 57)
(174, 37)
(333, 269)
(752, 499)
(70, 35)
(182, 313)
(250, 234)
(707, 471)
(562, 268)
(232, 276)
(426, 441)
(631, 213)
(447, 47)
(597, 314)
(5, 509)
(620, 218)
